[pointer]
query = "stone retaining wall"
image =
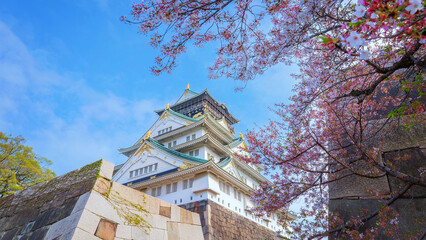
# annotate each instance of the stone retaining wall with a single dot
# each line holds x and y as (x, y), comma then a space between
(220, 223)
(86, 205)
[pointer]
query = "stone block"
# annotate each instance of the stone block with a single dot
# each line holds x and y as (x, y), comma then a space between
(37, 234)
(124, 231)
(165, 211)
(88, 222)
(81, 203)
(102, 186)
(152, 205)
(157, 221)
(175, 214)
(119, 191)
(408, 161)
(188, 231)
(70, 222)
(196, 218)
(139, 234)
(173, 231)
(106, 230)
(408, 210)
(358, 186)
(65, 236)
(106, 169)
(98, 204)
(80, 234)
(7, 235)
(48, 217)
(158, 234)
(186, 216)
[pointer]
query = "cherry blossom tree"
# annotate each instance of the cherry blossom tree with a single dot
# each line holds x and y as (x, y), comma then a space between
(360, 86)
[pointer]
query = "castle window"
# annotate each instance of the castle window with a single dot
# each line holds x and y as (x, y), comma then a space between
(191, 181)
(188, 138)
(144, 170)
(196, 152)
(191, 153)
(193, 136)
(224, 187)
(169, 145)
(174, 143)
(156, 192)
(185, 184)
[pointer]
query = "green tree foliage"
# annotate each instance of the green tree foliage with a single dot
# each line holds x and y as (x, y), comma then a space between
(20, 167)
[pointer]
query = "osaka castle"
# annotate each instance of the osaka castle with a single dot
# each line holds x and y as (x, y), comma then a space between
(187, 157)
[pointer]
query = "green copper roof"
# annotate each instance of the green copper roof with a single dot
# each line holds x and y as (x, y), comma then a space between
(224, 161)
(236, 142)
(181, 115)
(189, 90)
(175, 153)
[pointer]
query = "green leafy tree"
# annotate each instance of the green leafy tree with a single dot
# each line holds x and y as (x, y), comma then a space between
(20, 167)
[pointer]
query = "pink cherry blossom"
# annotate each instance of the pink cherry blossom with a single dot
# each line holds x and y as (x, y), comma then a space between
(355, 39)
(364, 55)
(359, 11)
(414, 6)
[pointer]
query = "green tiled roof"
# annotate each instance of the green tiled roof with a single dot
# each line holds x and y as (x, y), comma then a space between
(181, 115)
(175, 153)
(224, 161)
(235, 142)
(189, 90)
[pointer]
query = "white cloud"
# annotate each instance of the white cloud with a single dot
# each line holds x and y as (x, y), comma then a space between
(63, 118)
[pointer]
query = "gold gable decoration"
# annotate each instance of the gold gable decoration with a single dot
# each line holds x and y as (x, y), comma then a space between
(144, 148)
(186, 166)
(167, 106)
(187, 87)
(199, 114)
(165, 115)
(147, 135)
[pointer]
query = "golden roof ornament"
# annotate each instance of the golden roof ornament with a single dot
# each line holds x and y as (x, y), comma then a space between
(167, 106)
(187, 87)
(241, 136)
(147, 135)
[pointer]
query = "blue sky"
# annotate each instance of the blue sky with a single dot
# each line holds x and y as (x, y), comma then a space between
(75, 81)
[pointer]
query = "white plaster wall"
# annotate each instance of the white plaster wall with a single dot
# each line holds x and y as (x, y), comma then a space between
(229, 202)
(208, 150)
(182, 196)
(165, 162)
(170, 121)
(181, 138)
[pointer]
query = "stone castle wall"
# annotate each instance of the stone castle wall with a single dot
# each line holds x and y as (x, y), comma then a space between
(349, 195)
(86, 205)
(219, 223)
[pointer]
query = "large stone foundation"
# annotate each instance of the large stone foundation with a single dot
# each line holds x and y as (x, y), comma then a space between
(348, 196)
(219, 223)
(86, 205)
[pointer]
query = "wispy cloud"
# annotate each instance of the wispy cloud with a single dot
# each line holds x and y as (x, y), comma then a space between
(63, 118)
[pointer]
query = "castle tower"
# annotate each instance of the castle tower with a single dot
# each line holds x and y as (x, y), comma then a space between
(187, 157)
